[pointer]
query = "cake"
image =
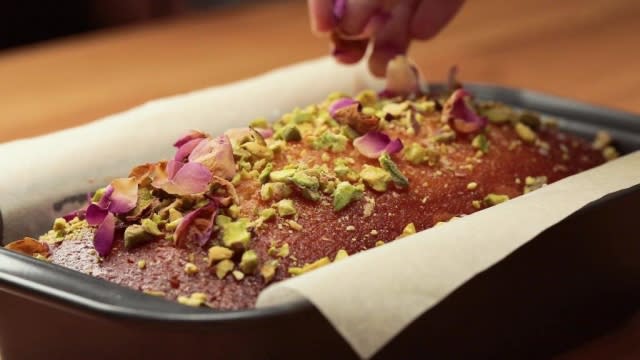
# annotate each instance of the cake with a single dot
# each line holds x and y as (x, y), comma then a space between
(234, 213)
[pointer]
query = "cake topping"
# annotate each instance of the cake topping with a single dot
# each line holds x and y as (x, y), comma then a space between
(398, 178)
(460, 114)
(374, 143)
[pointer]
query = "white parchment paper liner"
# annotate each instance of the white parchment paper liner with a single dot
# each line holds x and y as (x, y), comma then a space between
(371, 296)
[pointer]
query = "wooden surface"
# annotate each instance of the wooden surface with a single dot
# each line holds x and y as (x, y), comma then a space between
(583, 49)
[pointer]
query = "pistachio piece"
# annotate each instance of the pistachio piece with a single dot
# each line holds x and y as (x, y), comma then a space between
(410, 229)
(267, 214)
(375, 177)
(532, 183)
(344, 194)
(195, 300)
(190, 268)
(141, 264)
(151, 227)
(173, 215)
(237, 274)
(289, 133)
(472, 185)
(249, 262)
(388, 164)
(268, 271)
(341, 255)
(285, 207)
(295, 271)
(260, 123)
(525, 133)
(495, 199)
(236, 234)
(282, 175)
(481, 143)
(218, 253)
(610, 153)
(274, 191)
(497, 113)
(265, 173)
(602, 140)
(330, 141)
(135, 235)
(223, 268)
(303, 180)
(234, 211)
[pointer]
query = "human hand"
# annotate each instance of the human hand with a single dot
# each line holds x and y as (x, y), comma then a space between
(390, 25)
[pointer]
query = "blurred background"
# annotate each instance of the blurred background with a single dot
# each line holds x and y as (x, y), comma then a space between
(66, 63)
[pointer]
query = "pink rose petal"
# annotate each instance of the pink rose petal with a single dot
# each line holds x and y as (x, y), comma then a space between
(374, 143)
(185, 150)
(124, 196)
(459, 113)
(217, 155)
(182, 179)
(104, 235)
(105, 200)
(196, 226)
(191, 135)
(265, 133)
(95, 214)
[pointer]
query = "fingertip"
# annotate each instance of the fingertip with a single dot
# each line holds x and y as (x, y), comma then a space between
(349, 51)
(321, 16)
(381, 56)
(432, 16)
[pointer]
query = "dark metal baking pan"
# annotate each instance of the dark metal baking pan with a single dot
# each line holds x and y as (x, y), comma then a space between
(575, 280)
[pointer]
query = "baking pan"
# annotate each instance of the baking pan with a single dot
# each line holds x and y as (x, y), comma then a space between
(578, 279)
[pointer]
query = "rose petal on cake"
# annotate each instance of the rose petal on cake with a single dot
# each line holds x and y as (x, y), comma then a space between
(265, 133)
(374, 143)
(458, 111)
(403, 78)
(95, 214)
(103, 237)
(340, 104)
(191, 135)
(196, 226)
(217, 155)
(182, 179)
(124, 196)
(185, 149)
(80, 214)
(105, 200)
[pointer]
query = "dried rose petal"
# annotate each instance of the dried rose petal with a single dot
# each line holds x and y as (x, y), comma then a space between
(29, 246)
(374, 143)
(191, 135)
(104, 235)
(196, 226)
(185, 150)
(403, 78)
(95, 214)
(181, 179)
(458, 111)
(105, 200)
(340, 104)
(80, 214)
(265, 133)
(124, 196)
(217, 155)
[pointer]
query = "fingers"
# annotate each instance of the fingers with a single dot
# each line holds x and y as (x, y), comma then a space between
(321, 16)
(393, 38)
(348, 51)
(431, 16)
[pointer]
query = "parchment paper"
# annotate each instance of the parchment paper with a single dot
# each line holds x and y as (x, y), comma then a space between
(371, 296)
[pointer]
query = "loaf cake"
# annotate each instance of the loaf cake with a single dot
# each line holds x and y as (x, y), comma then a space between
(230, 214)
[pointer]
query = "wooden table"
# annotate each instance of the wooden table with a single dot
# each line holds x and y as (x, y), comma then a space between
(583, 49)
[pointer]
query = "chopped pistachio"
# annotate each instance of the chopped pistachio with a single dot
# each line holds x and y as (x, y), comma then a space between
(236, 234)
(525, 133)
(388, 164)
(344, 172)
(283, 251)
(274, 191)
(498, 113)
(495, 199)
(218, 253)
(223, 268)
(349, 132)
(190, 268)
(285, 207)
(369, 206)
(268, 271)
(282, 175)
(234, 211)
(445, 135)
(294, 225)
(374, 232)
(610, 153)
(367, 97)
(303, 180)
(341, 255)
(222, 220)
(289, 133)
(260, 123)
(173, 224)
(415, 153)
(350, 228)
(151, 227)
(530, 119)
(249, 262)
(265, 174)
(174, 215)
(330, 141)
(602, 140)
(237, 274)
(481, 143)
(379, 243)
(532, 183)
(267, 214)
(60, 226)
(472, 185)
(344, 194)
(135, 235)
(410, 229)
(257, 150)
(476, 204)
(97, 196)
(325, 157)
(195, 300)
(375, 177)
(295, 271)
(154, 292)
